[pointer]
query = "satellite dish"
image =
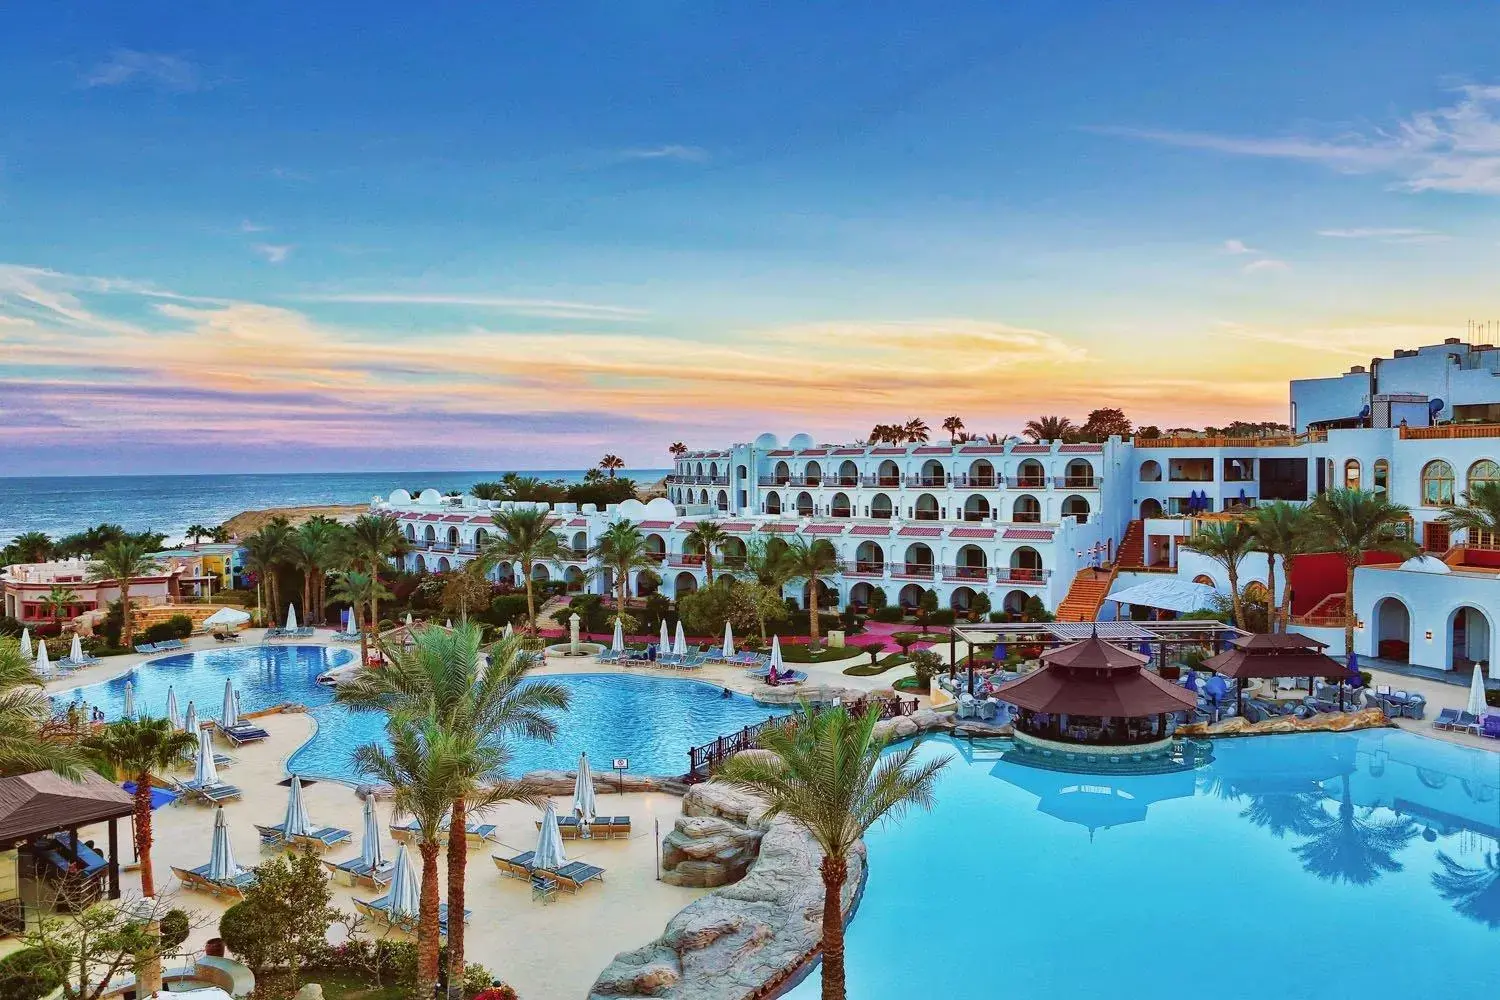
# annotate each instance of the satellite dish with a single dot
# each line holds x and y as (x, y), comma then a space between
(1434, 407)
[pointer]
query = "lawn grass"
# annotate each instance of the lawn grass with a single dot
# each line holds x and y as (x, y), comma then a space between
(795, 652)
(909, 684)
(881, 666)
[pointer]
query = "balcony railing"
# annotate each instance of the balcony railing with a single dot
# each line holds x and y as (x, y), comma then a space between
(1076, 482)
(1026, 482)
(972, 573)
(881, 515)
(701, 480)
(864, 569)
(685, 559)
(883, 482)
(468, 550)
(912, 571)
(441, 547)
(989, 482)
(924, 515)
(574, 555)
(1021, 574)
(929, 481)
(656, 556)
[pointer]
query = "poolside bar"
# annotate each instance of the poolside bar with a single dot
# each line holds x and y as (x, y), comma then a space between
(1274, 656)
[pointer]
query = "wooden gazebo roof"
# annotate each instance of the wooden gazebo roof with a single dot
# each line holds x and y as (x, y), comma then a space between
(1285, 655)
(1093, 677)
(43, 802)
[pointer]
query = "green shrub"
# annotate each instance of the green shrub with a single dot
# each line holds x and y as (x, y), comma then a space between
(888, 615)
(182, 626)
(943, 617)
(925, 663)
(878, 599)
(980, 605)
(658, 609)
(506, 609)
(880, 666)
(999, 617)
(1036, 611)
(28, 974)
(246, 934)
(10, 626)
(174, 929)
(592, 614)
(159, 632)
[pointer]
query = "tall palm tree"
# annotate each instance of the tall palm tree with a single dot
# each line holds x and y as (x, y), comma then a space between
(58, 600)
(196, 533)
(360, 590)
(766, 566)
(1477, 512)
(678, 449)
(370, 543)
(1353, 847)
(1280, 530)
(131, 749)
(1353, 522)
(620, 550)
(1226, 543)
(1474, 892)
(31, 547)
(311, 549)
(440, 676)
(915, 431)
(24, 709)
(526, 536)
(709, 538)
(827, 773)
(611, 464)
(810, 561)
(122, 561)
(953, 425)
(426, 768)
(1050, 429)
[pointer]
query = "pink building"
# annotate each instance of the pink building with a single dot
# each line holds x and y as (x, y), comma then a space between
(26, 587)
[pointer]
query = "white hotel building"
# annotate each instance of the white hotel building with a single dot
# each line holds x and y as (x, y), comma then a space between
(1021, 519)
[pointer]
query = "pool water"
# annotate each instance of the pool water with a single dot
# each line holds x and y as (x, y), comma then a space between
(650, 721)
(1313, 865)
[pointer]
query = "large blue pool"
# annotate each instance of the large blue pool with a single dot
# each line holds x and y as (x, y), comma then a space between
(651, 721)
(1329, 865)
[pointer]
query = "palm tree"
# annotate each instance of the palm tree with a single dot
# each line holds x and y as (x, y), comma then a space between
(1477, 512)
(620, 550)
(58, 600)
(196, 533)
(765, 563)
(426, 768)
(360, 590)
(709, 538)
(810, 561)
(953, 425)
(1050, 429)
(311, 549)
(1280, 530)
(122, 561)
(1354, 848)
(678, 449)
(1226, 543)
(131, 749)
(611, 463)
(31, 547)
(371, 542)
(1351, 523)
(1474, 892)
(915, 431)
(526, 536)
(440, 676)
(24, 709)
(827, 773)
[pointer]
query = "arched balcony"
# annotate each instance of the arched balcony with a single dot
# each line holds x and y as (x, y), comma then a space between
(869, 559)
(773, 503)
(840, 506)
(976, 508)
(932, 474)
(981, 475)
(848, 474)
(970, 564)
(1075, 506)
(804, 504)
(812, 475)
(880, 507)
(918, 562)
(926, 508)
(887, 475)
(1079, 475)
(1027, 510)
(1025, 566)
(1030, 476)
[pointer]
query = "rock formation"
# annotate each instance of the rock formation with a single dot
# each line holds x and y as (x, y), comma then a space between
(1324, 722)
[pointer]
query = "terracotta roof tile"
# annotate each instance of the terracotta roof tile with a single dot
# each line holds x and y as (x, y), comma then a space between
(934, 450)
(848, 451)
(870, 529)
(1031, 449)
(916, 531)
(780, 453)
(1029, 534)
(779, 529)
(887, 451)
(456, 518)
(988, 449)
(1074, 449)
(654, 524)
(579, 522)
(972, 533)
(813, 452)
(824, 529)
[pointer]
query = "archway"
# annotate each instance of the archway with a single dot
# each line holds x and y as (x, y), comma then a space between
(1079, 474)
(828, 596)
(1150, 507)
(505, 574)
(888, 474)
(1015, 602)
(429, 535)
(1026, 564)
(982, 473)
(646, 583)
(685, 583)
(580, 541)
(1392, 629)
(656, 546)
(453, 538)
(540, 573)
(880, 506)
(1151, 471)
(976, 508)
(1076, 506)
(869, 558)
(481, 538)
(732, 552)
(1205, 580)
(840, 506)
(918, 559)
(782, 473)
(926, 508)
(443, 565)
(962, 599)
(421, 563)
(1028, 510)
(848, 473)
(1031, 475)
(813, 474)
(1468, 638)
(411, 533)
(970, 563)
(773, 503)
(573, 578)
(860, 594)
(804, 504)
(910, 596)
(722, 502)
(932, 473)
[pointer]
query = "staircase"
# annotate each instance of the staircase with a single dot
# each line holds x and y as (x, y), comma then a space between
(1132, 555)
(1085, 595)
(1327, 613)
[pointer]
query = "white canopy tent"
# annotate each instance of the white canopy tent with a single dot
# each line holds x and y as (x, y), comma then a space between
(1180, 596)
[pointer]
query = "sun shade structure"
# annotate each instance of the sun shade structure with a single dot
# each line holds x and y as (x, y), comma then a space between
(226, 618)
(229, 714)
(1181, 596)
(583, 792)
(370, 853)
(1285, 655)
(549, 846)
(46, 810)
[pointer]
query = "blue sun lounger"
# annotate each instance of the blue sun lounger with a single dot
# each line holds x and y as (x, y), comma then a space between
(379, 910)
(362, 874)
(197, 878)
(245, 732)
(323, 837)
(214, 794)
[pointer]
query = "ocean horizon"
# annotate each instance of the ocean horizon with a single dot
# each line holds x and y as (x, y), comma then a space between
(60, 505)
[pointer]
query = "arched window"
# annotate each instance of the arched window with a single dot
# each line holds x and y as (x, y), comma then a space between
(1483, 471)
(976, 508)
(1027, 510)
(805, 504)
(1205, 579)
(1381, 475)
(840, 506)
(880, 506)
(812, 475)
(1437, 484)
(1151, 471)
(1075, 506)
(926, 508)
(1351, 474)
(773, 503)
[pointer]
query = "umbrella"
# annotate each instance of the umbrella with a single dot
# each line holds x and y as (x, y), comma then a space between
(776, 662)
(617, 644)
(404, 895)
(665, 644)
(227, 617)
(549, 847)
(1476, 704)
(229, 715)
(205, 771)
(43, 665)
(408, 619)
(370, 852)
(728, 640)
(190, 720)
(348, 619)
(1355, 680)
(295, 823)
(129, 700)
(76, 653)
(26, 650)
(1191, 680)
(449, 624)
(291, 617)
(583, 792)
(509, 630)
(173, 716)
(221, 864)
(679, 645)
(1216, 688)
(1000, 654)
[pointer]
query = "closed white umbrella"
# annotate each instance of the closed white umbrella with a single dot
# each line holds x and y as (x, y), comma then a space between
(679, 646)
(1476, 692)
(43, 664)
(776, 663)
(205, 771)
(76, 653)
(509, 631)
(229, 715)
(449, 625)
(26, 650)
(405, 894)
(291, 616)
(617, 644)
(173, 715)
(221, 864)
(665, 645)
(408, 619)
(190, 720)
(129, 700)
(549, 846)
(583, 792)
(295, 823)
(728, 640)
(349, 619)
(370, 852)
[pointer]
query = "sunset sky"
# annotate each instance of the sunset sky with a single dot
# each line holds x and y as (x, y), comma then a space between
(336, 236)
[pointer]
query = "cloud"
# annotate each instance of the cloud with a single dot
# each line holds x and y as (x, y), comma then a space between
(275, 253)
(1390, 234)
(154, 69)
(247, 226)
(1237, 247)
(1266, 264)
(1453, 148)
(671, 151)
(552, 308)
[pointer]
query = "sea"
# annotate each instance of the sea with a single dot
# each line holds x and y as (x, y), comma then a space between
(59, 505)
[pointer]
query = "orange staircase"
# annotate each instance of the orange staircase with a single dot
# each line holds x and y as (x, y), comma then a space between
(1132, 555)
(1086, 595)
(1327, 613)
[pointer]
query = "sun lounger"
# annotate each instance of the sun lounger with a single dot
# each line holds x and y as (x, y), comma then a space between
(519, 866)
(379, 910)
(611, 826)
(212, 794)
(321, 838)
(1489, 726)
(360, 873)
(145, 647)
(244, 733)
(197, 878)
(575, 874)
(305, 632)
(1467, 722)
(411, 833)
(1446, 719)
(226, 637)
(479, 833)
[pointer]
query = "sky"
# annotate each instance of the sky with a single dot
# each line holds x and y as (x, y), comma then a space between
(293, 237)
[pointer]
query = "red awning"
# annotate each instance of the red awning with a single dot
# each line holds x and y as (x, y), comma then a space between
(1243, 665)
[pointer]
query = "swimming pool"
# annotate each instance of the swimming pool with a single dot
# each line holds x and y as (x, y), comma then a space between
(1314, 865)
(650, 721)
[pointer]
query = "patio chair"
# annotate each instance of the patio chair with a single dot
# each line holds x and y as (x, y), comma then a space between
(1490, 726)
(214, 794)
(567, 826)
(616, 827)
(197, 878)
(145, 647)
(543, 887)
(244, 733)
(1446, 719)
(1415, 707)
(1467, 722)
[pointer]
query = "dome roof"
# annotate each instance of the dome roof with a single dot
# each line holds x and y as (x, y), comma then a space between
(1426, 564)
(767, 441)
(800, 441)
(400, 496)
(430, 495)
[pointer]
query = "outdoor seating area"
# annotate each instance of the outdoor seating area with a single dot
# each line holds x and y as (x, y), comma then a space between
(221, 875)
(296, 830)
(410, 832)
(398, 908)
(167, 646)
